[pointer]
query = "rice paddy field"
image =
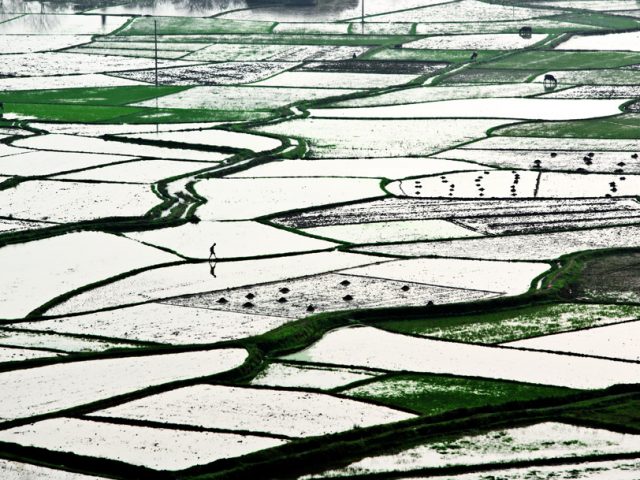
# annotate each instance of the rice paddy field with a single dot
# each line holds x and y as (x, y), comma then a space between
(314, 239)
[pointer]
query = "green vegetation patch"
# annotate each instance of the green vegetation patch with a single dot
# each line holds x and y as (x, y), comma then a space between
(69, 113)
(108, 104)
(596, 19)
(436, 394)
(623, 412)
(485, 75)
(164, 41)
(90, 96)
(178, 115)
(510, 325)
(421, 55)
(188, 25)
(563, 60)
(625, 126)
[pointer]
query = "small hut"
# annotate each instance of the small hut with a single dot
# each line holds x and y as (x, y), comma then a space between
(550, 82)
(526, 32)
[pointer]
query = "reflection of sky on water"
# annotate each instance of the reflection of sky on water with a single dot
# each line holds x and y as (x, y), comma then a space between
(182, 8)
(37, 6)
(61, 24)
(318, 11)
(287, 10)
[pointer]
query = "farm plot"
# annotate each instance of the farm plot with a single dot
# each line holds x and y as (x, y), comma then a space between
(161, 323)
(190, 279)
(98, 130)
(130, 52)
(192, 26)
(521, 108)
(625, 126)
(498, 277)
(232, 240)
(602, 76)
(225, 73)
(145, 43)
(40, 390)
(72, 261)
(373, 348)
(562, 60)
(335, 80)
(222, 52)
(468, 212)
(436, 394)
(326, 53)
(540, 441)
(396, 231)
(157, 448)
(463, 11)
(46, 162)
(474, 184)
(51, 24)
(279, 412)
(501, 41)
(62, 201)
(16, 471)
(597, 5)
(493, 76)
(613, 41)
(518, 247)
(417, 56)
(546, 25)
(610, 278)
(241, 98)
(596, 91)
(372, 28)
(610, 216)
(622, 469)
(324, 293)
(434, 94)
(519, 183)
(225, 203)
(73, 143)
(21, 354)
(53, 341)
(612, 341)
(344, 138)
(66, 81)
(516, 324)
(374, 67)
(308, 376)
(59, 63)
(554, 144)
(13, 225)
(593, 185)
(364, 168)
(307, 28)
(213, 138)
(144, 171)
(33, 43)
(620, 162)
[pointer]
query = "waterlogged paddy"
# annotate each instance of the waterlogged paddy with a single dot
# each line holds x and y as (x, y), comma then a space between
(523, 443)
(279, 412)
(326, 243)
(373, 348)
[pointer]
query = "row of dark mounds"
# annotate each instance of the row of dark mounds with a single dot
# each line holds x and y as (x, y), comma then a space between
(310, 308)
